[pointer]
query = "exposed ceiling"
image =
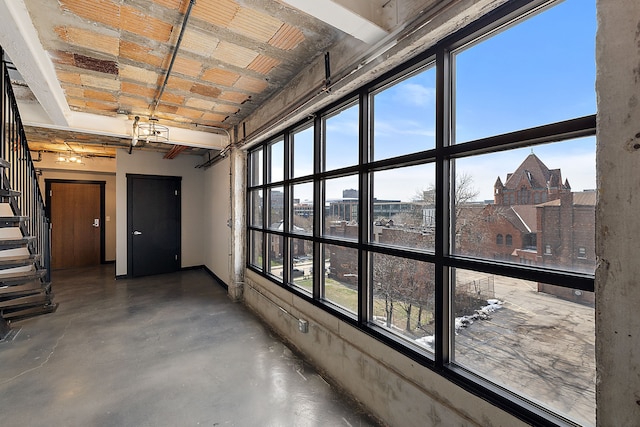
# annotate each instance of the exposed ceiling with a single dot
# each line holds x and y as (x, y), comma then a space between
(110, 58)
(85, 68)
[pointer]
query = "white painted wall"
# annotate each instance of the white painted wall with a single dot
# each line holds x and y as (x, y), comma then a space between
(217, 214)
(103, 169)
(192, 201)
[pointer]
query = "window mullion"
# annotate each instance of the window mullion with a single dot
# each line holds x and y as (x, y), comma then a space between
(318, 208)
(364, 211)
(287, 217)
(443, 292)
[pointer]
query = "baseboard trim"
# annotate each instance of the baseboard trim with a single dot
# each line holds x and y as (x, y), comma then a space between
(215, 277)
(193, 267)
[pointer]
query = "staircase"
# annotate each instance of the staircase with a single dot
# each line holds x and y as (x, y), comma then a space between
(25, 288)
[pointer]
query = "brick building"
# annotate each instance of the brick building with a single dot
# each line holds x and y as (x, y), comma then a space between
(535, 219)
(531, 183)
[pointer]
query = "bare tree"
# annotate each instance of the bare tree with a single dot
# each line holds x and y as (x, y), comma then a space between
(386, 272)
(305, 223)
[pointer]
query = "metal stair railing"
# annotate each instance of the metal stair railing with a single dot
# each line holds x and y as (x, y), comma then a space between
(21, 175)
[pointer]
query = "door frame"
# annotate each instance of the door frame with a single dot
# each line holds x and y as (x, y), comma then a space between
(130, 177)
(47, 185)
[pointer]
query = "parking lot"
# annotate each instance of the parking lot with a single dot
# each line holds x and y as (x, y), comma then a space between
(537, 345)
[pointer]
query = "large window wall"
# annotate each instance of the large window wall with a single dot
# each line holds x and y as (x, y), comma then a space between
(448, 209)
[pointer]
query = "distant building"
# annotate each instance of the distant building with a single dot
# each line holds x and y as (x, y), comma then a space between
(534, 219)
(531, 183)
(350, 194)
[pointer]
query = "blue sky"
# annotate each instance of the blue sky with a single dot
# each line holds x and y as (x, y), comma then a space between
(538, 72)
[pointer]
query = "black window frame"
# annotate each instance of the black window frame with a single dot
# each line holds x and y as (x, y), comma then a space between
(443, 258)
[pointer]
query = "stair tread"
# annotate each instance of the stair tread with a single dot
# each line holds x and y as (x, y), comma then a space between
(21, 301)
(18, 260)
(22, 275)
(10, 240)
(6, 192)
(34, 310)
(14, 218)
(33, 286)
(38, 299)
(22, 257)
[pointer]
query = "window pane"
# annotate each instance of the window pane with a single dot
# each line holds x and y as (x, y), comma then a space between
(303, 152)
(403, 298)
(274, 262)
(255, 254)
(276, 208)
(303, 208)
(341, 207)
(404, 116)
(341, 282)
(256, 167)
(276, 169)
(302, 263)
(536, 72)
(404, 207)
(255, 216)
(525, 337)
(341, 138)
(543, 204)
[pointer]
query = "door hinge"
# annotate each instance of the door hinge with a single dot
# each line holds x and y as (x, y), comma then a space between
(176, 192)
(176, 257)
(50, 193)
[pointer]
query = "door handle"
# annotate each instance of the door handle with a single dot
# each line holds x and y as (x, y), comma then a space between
(137, 233)
(96, 222)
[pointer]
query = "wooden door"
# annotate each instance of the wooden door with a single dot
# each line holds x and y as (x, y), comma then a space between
(76, 223)
(153, 224)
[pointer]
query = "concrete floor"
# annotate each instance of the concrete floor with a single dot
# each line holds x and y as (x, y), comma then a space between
(168, 350)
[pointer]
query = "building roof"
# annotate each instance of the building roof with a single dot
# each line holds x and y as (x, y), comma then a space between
(536, 173)
(526, 215)
(583, 198)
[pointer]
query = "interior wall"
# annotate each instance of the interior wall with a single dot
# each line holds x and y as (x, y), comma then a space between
(103, 169)
(192, 203)
(393, 387)
(217, 214)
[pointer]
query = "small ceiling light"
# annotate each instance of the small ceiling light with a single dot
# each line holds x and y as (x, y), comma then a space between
(151, 131)
(69, 157)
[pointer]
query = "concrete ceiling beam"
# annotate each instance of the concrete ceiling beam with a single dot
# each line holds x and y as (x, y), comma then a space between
(20, 41)
(122, 127)
(351, 17)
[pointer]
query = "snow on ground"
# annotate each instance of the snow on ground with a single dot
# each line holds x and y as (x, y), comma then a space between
(466, 321)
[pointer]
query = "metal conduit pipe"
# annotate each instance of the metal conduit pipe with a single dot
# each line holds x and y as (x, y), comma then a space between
(173, 58)
(157, 99)
(314, 94)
